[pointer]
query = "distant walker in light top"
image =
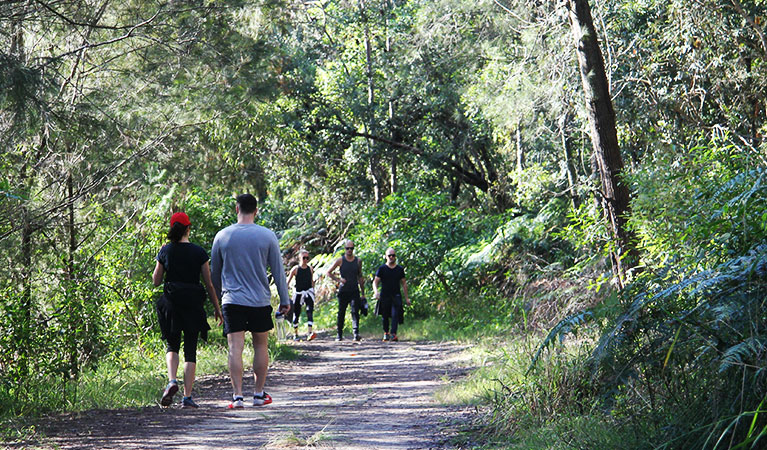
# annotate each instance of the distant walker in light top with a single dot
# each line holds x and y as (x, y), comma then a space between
(389, 306)
(304, 294)
(239, 259)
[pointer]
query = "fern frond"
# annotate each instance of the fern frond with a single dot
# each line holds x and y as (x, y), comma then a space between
(564, 327)
(746, 352)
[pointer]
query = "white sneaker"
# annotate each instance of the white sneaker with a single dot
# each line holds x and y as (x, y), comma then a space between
(261, 400)
(236, 403)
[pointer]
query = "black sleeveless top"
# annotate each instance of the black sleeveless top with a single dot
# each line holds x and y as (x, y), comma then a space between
(303, 279)
(351, 272)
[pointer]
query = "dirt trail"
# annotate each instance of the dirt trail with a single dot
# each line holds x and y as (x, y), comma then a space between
(341, 395)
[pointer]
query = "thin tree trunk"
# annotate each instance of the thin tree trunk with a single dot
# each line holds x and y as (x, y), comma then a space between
(23, 329)
(520, 150)
(604, 137)
(567, 151)
(395, 132)
(376, 171)
(72, 298)
(393, 174)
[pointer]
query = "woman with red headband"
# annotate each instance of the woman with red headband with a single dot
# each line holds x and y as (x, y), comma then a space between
(181, 307)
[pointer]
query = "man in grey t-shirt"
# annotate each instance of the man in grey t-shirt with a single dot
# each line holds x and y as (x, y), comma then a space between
(238, 262)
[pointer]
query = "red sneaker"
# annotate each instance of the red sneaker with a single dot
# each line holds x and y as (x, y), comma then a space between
(394, 338)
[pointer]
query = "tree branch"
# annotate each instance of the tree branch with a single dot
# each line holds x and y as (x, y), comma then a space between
(127, 35)
(472, 178)
(739, 8)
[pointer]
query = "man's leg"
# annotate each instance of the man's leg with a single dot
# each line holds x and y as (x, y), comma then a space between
(260, 359)
(356, 303)
(343, 302)
(236, 344)
(394, 318)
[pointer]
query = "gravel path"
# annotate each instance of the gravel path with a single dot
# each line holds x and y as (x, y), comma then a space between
(338, 395)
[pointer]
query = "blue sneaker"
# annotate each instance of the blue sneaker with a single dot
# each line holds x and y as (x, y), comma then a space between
(170, 391)
(187, 402)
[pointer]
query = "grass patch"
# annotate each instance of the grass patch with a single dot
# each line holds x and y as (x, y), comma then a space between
(546, 407)
(132, 379)
(293, 439)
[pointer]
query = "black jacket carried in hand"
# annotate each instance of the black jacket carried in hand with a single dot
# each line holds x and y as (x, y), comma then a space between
(180, 308)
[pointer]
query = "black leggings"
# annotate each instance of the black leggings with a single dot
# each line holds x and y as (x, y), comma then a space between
(344, 299)
(190, 345)
(296, 310)
(394, 320)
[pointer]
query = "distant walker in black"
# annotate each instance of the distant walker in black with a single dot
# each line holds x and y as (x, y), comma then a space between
(389, 306)
(351, 289)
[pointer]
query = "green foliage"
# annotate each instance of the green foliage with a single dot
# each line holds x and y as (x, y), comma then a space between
(467, 108)
(695, 348)
(422, 226)
(698, 208)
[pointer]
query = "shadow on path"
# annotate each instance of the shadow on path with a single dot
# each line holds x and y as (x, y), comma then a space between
(341, 395)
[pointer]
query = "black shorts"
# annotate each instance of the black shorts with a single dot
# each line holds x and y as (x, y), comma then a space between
(246, 318)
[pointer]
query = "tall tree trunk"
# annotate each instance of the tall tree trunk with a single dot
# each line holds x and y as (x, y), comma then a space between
(755, 104)
(604, 137)
(395, 132)
(376, 171)
(72, 296)
(23, 327)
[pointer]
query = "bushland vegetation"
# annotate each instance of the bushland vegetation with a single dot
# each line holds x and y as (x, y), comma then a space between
(609, 260)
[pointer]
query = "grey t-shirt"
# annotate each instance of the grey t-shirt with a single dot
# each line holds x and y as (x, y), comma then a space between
(238, 261)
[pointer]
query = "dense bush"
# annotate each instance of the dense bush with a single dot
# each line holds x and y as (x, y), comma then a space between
(681, 352)
(690, 355)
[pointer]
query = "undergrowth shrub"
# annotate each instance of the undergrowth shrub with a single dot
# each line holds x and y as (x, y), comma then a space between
(692, 355)
(699, 207)
(681, 360)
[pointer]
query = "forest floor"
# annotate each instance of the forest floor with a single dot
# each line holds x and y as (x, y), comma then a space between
(336, 395)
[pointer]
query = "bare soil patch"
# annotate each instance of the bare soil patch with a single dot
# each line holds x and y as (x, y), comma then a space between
(338, 395)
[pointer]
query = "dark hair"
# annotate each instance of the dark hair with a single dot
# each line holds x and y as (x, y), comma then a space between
(248, 203)
(177, 231)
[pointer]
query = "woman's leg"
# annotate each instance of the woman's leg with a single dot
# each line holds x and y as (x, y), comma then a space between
(171, 356)
(309, 313)
(190, 361)
(296, 316)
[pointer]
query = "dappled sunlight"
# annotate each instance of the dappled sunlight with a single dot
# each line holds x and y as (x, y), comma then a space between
(345, 395)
